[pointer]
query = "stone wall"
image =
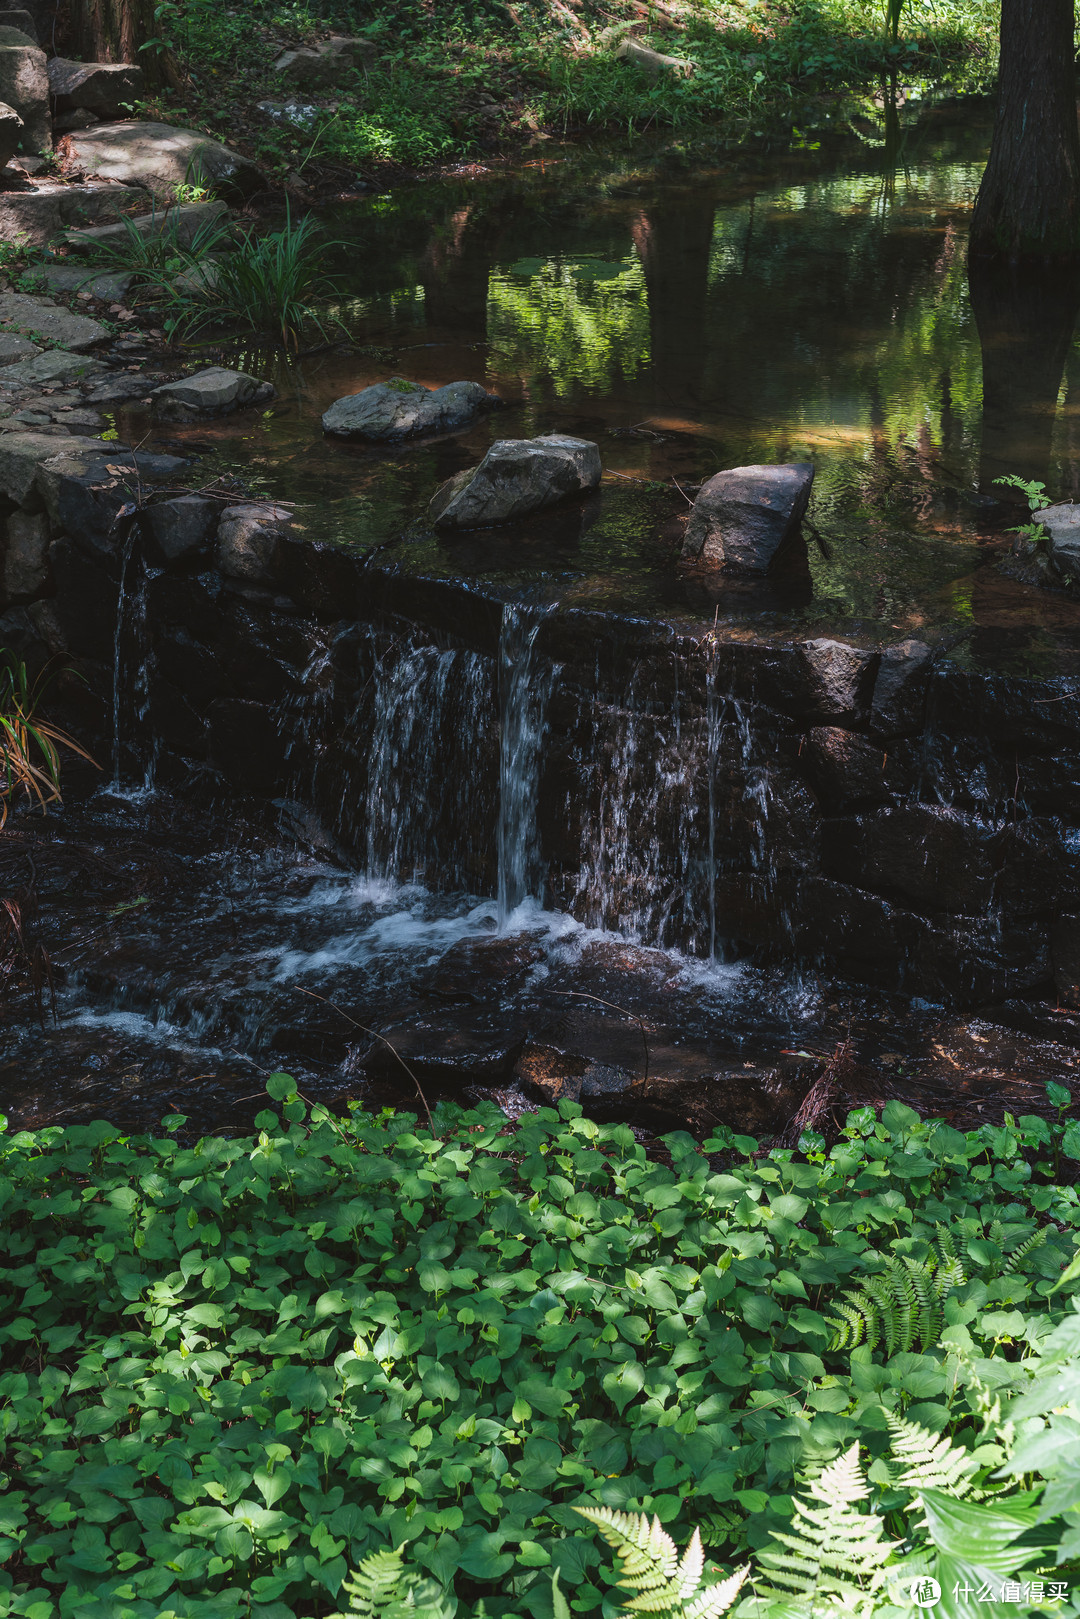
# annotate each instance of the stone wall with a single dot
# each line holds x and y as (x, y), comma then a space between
(892, 816)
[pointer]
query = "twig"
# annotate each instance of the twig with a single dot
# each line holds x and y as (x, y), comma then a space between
(580, 995)
(375, 1036)
(681, 490)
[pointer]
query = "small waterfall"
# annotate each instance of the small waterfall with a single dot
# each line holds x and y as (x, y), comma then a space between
(523, 696)
(133, 670)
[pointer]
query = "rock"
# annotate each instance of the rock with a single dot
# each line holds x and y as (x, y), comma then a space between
(742, 517)
(84, 492)
(397, 409)
(105, 88)
(26, 559)
(67, 122)
(11, 128)
(187, 223)
(21, 454)
(14, 348)
(108, 285)
(843, 767)
(42, 318)
(53, 366)
(179, 527)
(79, 421)
(924, 854)
(1062, 525)
(249, 540)
(900, 686)
(13, 17)
(327, 64)
(125, 385)
(1065, 958)
(839, 678)
(24, 86)
(654, 64)
(37, 217)
(516, 476)
(214, 392)
(158, 157)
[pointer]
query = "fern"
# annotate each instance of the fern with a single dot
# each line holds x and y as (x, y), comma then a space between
(650, 1566)
(925, 1462)
(833, 1550)
(901, 1305)
(1018, 1255)
(382, 1588)
(720, 1525)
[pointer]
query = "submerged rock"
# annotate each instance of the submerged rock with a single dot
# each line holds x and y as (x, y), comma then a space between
(742, 517)
(214, 392)
(389, 411)
(159, 157)
(516, 476)
(105, 88)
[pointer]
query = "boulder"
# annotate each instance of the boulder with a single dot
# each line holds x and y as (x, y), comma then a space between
(839, 679)
(82, 118)
(900, 687)
(158, 157)
(85, 492)
(1062, 525)
(394, 410)
(26, 559)
(186, 223)
(654, 64)
(180, 527)
(842, 766)
(249, 540)
(21, 455)
(13, 17)
(34, 218)
(516, 476)
(104, 88)
(24, 86)
(50, 368)
(742, 517)
(327, 64)
(42, 318)
(11, 128)
(13, 347)
(214, 392)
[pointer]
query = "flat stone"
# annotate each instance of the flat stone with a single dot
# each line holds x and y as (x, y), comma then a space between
(214, 392)
(124, 385)
(21, 454)
(187, 222)
(159, 157)
(390, 411)
(41, 318)
(41, 216)
(180, 527)
(108, 285)
(54, 365)
(516, 476)
(24, 86)
(26, 558)
(106, 88)
(654, 64)
(13, 347)
(249, 540)
(742, 517)
(80, 421)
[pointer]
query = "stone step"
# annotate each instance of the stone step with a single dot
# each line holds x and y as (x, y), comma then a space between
(187, 220)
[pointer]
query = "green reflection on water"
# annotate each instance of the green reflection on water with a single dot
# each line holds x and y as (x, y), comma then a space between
(584, 324)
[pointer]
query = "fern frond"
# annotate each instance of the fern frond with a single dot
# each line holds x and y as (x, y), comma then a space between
(927, 1462)
(831, 1543)
(378, 1583)
(1018, 1255)
(651, 1566)
(850, 1325)
(718, 1526)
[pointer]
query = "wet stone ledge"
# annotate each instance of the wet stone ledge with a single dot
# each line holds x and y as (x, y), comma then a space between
(886, 814)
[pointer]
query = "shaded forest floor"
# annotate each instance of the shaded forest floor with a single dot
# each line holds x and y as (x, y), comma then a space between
(469, 82)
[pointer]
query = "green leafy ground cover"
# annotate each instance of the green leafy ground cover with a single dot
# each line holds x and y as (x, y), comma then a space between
(231, 1370)
(458, 80)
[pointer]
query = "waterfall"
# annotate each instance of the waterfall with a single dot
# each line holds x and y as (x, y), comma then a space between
(133, 668)
(524, 690)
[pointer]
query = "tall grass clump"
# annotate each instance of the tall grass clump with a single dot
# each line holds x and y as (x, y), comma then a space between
(160, 253)
(29, 745)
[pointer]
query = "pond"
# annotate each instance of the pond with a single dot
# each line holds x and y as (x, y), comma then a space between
(399, 906)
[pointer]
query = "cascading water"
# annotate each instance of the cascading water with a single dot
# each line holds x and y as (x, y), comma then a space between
(524, 689)
(133, 671)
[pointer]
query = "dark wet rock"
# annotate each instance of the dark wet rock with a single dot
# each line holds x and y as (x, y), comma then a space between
(216, 391)
(899, 701)
(181, 527)
(326, 65)
(840, 678)
(88, 494)
(1032, 716)
(106, 88)
(929, 855)
(475, 968)
(455, 1045)
(516, 476)
(26, 555)
(250, 539)
(1065, 957)
(159, 157)
(394, 410)
(742, 517)
(24, 87)
(85, 602)
(843, 767)
(247, 747)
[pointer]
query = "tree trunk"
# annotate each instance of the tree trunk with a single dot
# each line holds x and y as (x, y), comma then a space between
(1029, 201)
(116, 31)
